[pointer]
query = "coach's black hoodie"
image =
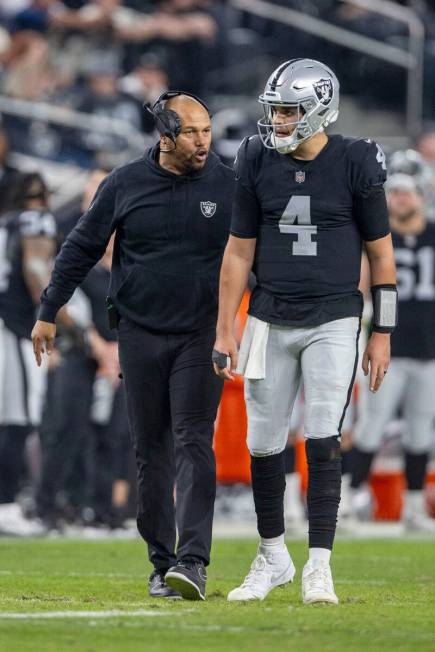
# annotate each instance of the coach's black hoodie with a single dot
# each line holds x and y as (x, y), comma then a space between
(170, 235)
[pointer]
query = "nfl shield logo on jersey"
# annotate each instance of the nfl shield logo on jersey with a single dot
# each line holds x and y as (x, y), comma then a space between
(300, 176)
(208, 208)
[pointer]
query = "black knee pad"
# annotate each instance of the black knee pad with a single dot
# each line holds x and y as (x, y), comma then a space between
(323, 451)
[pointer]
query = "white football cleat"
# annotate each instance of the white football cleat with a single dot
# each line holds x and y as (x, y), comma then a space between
(268, 570)
(317, 584)
(414, 516)
(14, 524)
(419, 523)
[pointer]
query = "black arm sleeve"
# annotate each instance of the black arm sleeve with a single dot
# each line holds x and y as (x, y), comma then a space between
(82, 249)
(246, 211)
(369, 173)
(371, 214)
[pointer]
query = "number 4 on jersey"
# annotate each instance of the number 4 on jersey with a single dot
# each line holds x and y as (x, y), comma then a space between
(297, 219)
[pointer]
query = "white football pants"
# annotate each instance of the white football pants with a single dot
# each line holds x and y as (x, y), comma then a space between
(325, 358)
(411, 384)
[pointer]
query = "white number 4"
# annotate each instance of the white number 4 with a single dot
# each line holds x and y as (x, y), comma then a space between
(297, 219)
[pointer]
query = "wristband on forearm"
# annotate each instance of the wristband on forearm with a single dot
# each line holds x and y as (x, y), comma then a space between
(385, 307)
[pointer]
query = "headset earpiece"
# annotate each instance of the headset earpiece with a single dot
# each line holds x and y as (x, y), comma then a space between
(168, 122)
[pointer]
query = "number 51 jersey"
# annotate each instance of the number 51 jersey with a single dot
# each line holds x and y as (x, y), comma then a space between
(414, 336)
(309, 219)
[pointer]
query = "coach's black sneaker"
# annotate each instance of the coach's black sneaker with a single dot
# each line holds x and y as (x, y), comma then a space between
(188, 578)
(157, 586)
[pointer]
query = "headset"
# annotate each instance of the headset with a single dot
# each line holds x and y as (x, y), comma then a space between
(168, 122)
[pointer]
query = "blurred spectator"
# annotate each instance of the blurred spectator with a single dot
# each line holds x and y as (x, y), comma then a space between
(40, 15)
(26, 69)
(101, 95)
(147, 81)
(426, 147)
(188, 30)
(7, 172)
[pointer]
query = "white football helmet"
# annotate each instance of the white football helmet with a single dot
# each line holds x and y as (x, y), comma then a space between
(411, 162)
(308, 85)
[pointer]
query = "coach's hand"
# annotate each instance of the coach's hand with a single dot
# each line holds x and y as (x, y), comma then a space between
(377, 358)
(43, 335)
(228, 346)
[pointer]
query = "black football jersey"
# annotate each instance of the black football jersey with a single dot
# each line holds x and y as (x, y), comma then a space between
(309, 218)
(17, 309)
(414, 336)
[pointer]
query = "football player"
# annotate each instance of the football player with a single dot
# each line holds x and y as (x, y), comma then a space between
(27, 249)
(305, 203)
(411, 379)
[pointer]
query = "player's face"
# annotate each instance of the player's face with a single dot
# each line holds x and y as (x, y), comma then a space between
(284, 119)
(194, 140)
(403, 204)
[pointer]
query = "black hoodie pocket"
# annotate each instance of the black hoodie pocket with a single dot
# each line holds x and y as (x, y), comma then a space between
(167, 303)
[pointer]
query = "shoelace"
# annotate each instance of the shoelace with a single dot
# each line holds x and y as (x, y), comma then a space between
(256, 574)
(318, 578)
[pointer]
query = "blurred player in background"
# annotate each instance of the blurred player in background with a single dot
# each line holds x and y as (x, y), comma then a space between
(85, 430)
(27, 250)
(411, 376)
(304, 204)
(7, 172)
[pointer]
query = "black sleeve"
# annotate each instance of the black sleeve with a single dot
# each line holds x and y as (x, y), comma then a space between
(246, 211)
(82, 249)
(370, 205)
(371, 214)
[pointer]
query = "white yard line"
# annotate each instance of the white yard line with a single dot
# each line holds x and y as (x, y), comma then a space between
(72, 574)
(113, 613)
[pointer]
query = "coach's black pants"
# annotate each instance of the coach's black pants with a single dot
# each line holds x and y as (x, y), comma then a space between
(172, 399)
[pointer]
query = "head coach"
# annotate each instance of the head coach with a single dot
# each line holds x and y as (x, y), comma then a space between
(171, 213)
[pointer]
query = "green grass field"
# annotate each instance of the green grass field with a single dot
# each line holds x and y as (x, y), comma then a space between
(386, 588)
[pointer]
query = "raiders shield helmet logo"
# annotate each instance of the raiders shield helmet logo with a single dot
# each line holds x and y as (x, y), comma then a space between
(300, 176)
(324, 90)
(208, 208)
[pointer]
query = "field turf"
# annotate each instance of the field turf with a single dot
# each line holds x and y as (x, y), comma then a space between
(58, 596)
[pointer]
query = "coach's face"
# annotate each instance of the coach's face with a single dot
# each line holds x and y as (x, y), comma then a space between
(194, 140)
